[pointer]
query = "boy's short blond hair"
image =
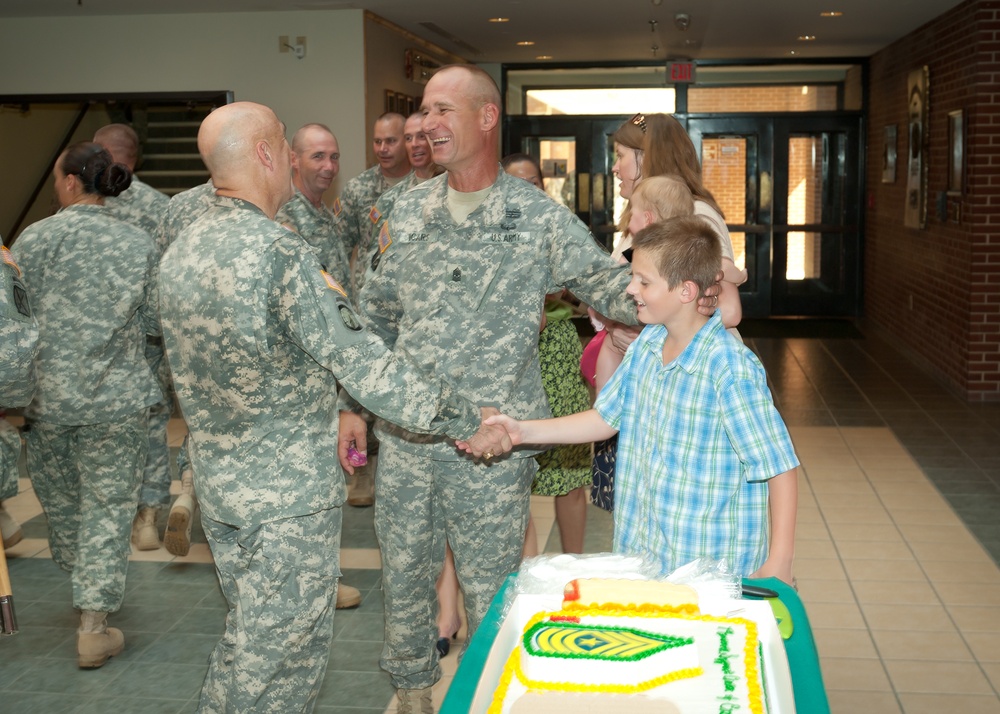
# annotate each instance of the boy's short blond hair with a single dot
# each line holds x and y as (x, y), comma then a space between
(664, 196)
(682, 248)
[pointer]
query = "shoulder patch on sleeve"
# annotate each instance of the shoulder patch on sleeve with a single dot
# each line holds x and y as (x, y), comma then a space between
(374, 215)
(8, 258)
(333, 284)
(337, 207)
(384, 239)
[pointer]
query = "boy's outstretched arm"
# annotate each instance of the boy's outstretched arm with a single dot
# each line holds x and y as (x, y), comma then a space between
(579, 428)
(783, 499)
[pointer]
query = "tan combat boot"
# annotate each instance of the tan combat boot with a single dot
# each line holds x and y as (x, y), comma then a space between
(144, 533)
(361, 488)
(414, 701)
(10, 529)
(95, 641)
(177, 538)
(347, 597)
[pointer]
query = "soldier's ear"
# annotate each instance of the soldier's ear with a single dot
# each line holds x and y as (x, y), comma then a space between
(490, 116)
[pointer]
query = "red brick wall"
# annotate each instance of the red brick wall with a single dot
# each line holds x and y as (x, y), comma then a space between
(762, 99)
(937, 290)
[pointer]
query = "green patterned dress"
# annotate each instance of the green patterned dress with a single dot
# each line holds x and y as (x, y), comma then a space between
(564, 468)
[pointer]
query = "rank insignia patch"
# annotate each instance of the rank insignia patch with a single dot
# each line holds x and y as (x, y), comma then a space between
(336, 207)
(333, 284)
(374, 215)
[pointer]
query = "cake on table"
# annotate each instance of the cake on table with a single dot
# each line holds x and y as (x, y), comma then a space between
(633, 646)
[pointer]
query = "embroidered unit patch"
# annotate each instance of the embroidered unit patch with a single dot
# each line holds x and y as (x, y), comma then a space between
(333, 284)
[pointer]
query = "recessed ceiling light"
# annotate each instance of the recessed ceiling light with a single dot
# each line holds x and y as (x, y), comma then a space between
(831, 13)
(543, 57)
(792, 52)
(807, 38)
(525, 43)
(499, 19)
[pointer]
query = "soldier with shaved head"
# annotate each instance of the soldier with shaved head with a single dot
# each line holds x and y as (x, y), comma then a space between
(257, 335)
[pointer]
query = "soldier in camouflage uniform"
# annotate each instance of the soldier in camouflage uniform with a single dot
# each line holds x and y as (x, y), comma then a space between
(18, 345)
(457, 283)
(315, 165)
(183, 209)
(145, 207)
(361, 192)
(87, 275)
(257, 334)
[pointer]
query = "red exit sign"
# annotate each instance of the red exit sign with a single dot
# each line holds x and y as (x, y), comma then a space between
(679, 72)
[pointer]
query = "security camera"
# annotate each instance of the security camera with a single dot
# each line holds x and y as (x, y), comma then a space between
(682, 20)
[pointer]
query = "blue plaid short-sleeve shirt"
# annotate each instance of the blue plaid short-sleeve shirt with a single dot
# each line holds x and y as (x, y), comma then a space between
(698, 440)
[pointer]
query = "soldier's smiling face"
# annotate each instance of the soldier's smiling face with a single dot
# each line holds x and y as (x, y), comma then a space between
(451, 121)
(316, 162)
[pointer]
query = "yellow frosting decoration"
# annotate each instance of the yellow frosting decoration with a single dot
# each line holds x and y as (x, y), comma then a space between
(686, 612)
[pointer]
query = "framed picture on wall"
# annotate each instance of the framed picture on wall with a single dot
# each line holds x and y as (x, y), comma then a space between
(956, 152)
(889, 154)
(390, 101)
(917, 87)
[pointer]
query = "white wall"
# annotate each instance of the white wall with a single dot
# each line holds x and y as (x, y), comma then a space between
(200, 52)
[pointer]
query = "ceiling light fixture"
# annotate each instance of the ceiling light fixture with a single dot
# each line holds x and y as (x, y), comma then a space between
(807, 38)
(525, 43)
(831, 13)
(543, 57)
(499, 19)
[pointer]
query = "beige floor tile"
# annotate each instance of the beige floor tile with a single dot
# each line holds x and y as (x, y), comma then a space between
(901, 570)
(970, 551)
(905, 487)
(844, 702)
(955, 533)
(951, 703)
(366, 558)
(985, 646)
(937, 677)
(814, 591)
(992, 670)
(875, 515)
(906, 474)
(942, 646)
(854, 675)
(976, 618)
(923, 517)
(874, 550)
(833, 615)
(913, 501)
(946, 571)
(812, 531)
(827, 500)
(844, 643)
(865, 531)
(968, 593)
(911, 618)
(881, 592)
(808, 514)
(836, 473)
(813, 548)
(818, 568)
(29, 548)
(845, 487)
(862, 435)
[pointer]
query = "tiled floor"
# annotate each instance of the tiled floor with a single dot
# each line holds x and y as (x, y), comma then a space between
(898, 544)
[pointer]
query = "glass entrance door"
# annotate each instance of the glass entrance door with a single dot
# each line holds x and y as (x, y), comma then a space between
(789, 186)
(790, 189)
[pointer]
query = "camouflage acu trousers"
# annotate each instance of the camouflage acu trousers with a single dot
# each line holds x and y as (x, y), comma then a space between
(155, 491)
(87, 479)
(481, 510)
(280, 581)
(10, 452)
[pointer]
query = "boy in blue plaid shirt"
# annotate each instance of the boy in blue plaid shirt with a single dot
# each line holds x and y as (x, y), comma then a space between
(702, 451)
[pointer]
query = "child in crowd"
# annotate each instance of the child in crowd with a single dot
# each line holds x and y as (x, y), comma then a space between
(702, 450)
